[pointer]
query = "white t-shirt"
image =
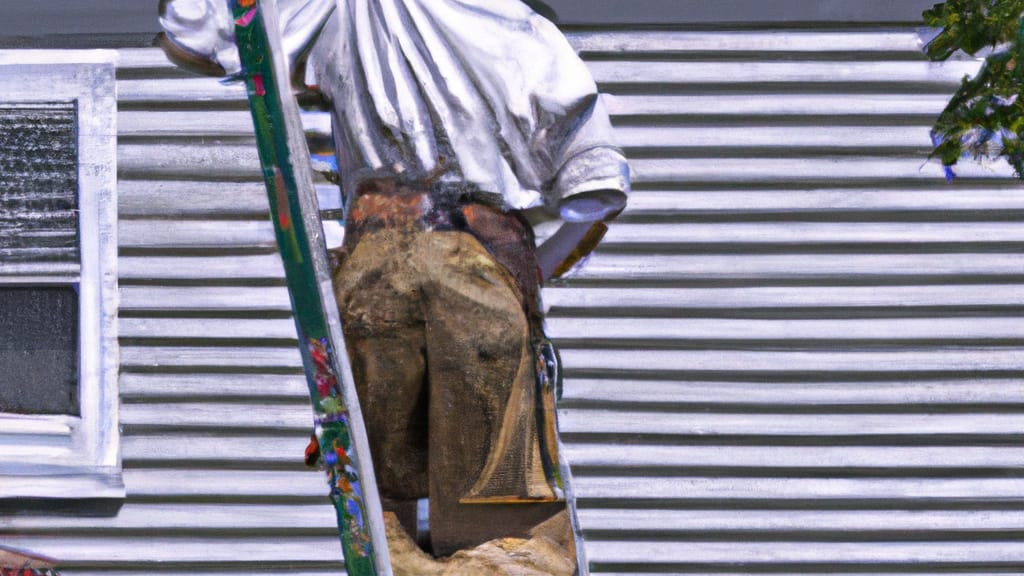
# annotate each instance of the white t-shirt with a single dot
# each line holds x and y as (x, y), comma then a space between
(477, 96)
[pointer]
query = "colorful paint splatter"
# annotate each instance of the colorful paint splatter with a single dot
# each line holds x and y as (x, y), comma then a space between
(332, 426)
(332, 432)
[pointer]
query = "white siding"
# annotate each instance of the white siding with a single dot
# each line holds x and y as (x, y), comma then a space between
(214, 410)
(798, 351)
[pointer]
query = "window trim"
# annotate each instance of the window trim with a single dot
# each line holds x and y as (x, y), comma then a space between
(60, 460)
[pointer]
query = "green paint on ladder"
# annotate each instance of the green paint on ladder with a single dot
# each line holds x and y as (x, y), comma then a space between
(333, 413)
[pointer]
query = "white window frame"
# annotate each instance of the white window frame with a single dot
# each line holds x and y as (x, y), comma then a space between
(61, 460)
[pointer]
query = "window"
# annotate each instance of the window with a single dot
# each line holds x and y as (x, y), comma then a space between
(59, 442)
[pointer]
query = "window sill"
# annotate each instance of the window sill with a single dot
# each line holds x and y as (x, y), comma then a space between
(77, 493)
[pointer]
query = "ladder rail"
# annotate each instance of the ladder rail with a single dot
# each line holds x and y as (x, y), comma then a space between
(285, 160)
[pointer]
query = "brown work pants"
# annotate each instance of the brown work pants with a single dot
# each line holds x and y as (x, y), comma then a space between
(443, 363)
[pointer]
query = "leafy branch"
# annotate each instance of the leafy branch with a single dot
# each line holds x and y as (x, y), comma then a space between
(985, 117)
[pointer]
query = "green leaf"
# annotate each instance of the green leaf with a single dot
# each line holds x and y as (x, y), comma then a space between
(979, 111)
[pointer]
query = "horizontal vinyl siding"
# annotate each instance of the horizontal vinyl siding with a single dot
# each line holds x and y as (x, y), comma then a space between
(798, 350)
(214, 412)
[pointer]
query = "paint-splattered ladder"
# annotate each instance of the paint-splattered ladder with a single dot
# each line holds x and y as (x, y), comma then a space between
(294, 210)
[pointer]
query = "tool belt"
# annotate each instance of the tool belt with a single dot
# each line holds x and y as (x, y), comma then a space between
(386, 204)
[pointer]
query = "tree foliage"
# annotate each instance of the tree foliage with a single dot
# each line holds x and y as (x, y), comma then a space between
(985, 117)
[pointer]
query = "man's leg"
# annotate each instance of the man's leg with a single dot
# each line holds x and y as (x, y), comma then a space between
(480, 369)
(381, 315)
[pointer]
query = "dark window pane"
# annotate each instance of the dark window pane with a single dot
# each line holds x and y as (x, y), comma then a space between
(39, 350)
(38, 182)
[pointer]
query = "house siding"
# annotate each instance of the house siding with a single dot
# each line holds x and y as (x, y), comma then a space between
(797, 351)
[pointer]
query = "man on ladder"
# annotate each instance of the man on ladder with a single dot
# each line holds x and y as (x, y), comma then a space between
(451, 117)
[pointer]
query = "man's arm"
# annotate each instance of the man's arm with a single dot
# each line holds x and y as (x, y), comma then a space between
(199, 34)
(187, 59)
(584, 217)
